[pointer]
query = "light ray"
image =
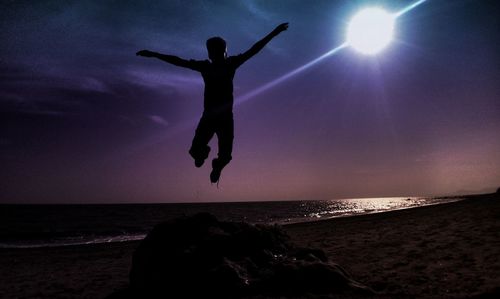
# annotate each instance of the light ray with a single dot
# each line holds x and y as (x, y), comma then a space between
(298, 70)
(287, 76)
(408, 8)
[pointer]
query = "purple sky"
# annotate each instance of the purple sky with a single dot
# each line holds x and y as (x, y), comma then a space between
(85, 120)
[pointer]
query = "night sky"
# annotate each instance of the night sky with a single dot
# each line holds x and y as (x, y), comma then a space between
(83, 119)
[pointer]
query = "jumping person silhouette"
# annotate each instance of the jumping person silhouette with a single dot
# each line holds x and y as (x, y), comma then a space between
(218, 73)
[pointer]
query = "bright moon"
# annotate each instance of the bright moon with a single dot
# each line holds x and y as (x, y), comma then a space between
(370, 30)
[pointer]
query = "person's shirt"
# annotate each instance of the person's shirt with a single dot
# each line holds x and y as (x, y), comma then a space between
(218, 78)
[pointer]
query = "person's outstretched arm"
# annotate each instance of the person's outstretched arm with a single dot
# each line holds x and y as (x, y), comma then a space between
(191, 64)
(263, 42)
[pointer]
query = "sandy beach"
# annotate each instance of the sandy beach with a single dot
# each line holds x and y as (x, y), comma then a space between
(444, 251)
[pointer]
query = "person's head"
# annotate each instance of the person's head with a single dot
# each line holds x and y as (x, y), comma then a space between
(216, 47)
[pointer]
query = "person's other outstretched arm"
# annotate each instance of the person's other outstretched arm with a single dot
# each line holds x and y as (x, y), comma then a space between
(167, 58)
(263, 42)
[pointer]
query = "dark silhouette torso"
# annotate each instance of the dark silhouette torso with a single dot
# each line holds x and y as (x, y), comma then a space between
(218, 77)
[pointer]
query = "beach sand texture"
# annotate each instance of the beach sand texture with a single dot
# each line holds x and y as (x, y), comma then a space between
(444, 251)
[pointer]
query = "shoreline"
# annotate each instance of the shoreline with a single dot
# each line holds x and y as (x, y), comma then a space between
(459, 198)
(333, 218)
(138, 237)
(447, 250)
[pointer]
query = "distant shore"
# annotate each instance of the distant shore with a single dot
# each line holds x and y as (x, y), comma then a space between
(441, 251)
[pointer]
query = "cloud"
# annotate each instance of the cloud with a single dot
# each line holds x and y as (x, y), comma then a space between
(93, 84)
(62, 91)
(153, 78)
(257, 11)
(158, 120)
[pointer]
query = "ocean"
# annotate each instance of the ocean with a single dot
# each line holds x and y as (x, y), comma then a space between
(31, 226)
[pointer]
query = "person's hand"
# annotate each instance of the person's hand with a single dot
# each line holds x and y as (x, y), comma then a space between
(145, 53)
(280, 28)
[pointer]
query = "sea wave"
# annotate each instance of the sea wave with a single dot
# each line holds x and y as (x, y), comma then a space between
(71, 241)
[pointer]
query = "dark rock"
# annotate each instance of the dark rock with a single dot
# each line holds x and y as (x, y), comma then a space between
(201, 257)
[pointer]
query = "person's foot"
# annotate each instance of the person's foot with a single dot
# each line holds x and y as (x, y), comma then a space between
(200, 157)
(216, 171)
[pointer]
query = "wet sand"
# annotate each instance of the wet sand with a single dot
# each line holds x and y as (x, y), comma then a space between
(444, 251)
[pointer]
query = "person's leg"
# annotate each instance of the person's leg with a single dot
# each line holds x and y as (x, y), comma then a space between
(199, 148)
(225, 136)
